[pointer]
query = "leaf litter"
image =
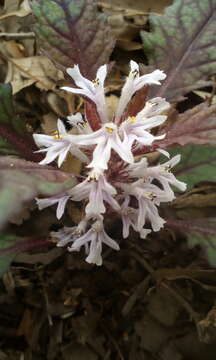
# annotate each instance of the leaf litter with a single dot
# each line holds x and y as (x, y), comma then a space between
(155, 299)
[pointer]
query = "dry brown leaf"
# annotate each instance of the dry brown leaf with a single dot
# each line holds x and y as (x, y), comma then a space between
(23, 10)
(57, 103)
(12, 49)
(206, 96)
(112, 102)
(204, 196)
(126, 25)
(40, 70)
(131, 6)
(49, 123)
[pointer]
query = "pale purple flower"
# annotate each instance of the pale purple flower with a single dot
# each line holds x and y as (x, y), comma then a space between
(96, 190)
(58, 146)
(94, 90)
(129, 218)
(134, 83)
(96, 236)
(152, 108)
(70, 234)
(61, 200)
(79, 123)
(105, 139)
(149, 197)
(136, 129)
(159, 172)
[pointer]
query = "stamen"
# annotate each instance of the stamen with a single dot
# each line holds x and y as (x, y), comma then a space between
(56, 135)
(132, 119)
(96, 82)
(96, 227)
(150, 195)
(167, 168)
(135, 73)
(109, 129)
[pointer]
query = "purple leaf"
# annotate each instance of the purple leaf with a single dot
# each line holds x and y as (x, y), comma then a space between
(200, 232)
(21, 181)
(195, 126)
(13, 137)
(73, 32)
(182, 43)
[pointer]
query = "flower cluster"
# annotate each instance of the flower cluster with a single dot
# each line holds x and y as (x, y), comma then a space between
(115, 180)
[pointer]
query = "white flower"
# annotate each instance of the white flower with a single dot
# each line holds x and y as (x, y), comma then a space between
(106, 139)
(129, 218)
(159, 172)
(94, 90)
(61, 200)
(135, 129)
(134, 83)
(96, 190)
(149, 197)
(69, 234)
(58, 146)
(79, 123)
(141, 188)
(152, 108)
(96, 236)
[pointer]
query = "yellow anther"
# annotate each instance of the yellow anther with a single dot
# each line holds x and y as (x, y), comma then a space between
(109, 129)
(132, 119)
(56, 135)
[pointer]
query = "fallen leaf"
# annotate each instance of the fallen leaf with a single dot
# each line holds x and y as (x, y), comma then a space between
(38, 70)
(138, 5)
(77, 352)
(23, 10)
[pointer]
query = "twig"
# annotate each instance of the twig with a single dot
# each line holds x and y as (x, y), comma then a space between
(49, 317)
(113, 341)
(139, 290)
(17, 36)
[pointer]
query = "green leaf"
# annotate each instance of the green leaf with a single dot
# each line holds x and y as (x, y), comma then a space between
(182, 42)
(73, 32)
(6, 104)
(21, 181)
(200, 232)
(207, 243)
(6, 240)
(13, 137)
(197, 164)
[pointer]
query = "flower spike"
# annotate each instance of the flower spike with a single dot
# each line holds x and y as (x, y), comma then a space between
(113, 180)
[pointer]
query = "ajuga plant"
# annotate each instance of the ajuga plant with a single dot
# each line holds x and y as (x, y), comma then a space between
(113, 180)
(116, 179)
